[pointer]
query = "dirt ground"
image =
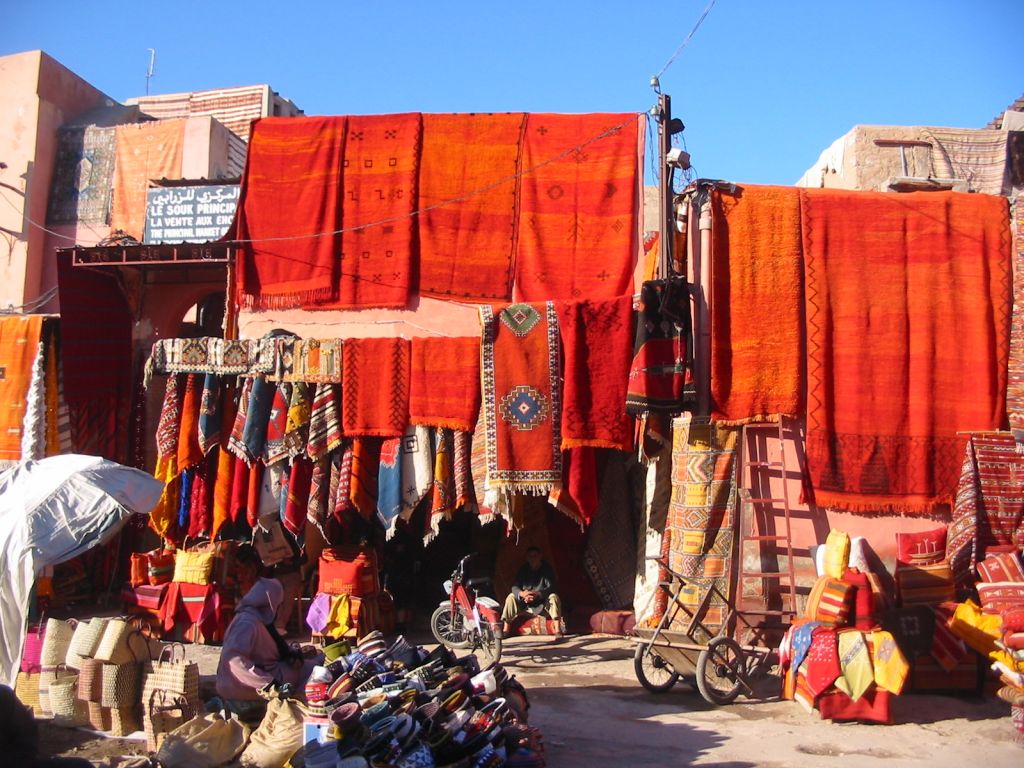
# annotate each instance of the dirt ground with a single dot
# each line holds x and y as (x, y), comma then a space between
(592, 711)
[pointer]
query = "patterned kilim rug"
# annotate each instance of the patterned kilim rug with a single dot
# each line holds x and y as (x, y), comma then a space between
(700, 516)
(82, 176)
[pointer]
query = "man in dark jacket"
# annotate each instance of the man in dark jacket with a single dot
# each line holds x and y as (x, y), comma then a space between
(533, 591)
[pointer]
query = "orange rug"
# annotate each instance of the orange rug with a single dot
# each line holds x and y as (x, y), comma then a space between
(19, 343)
(577, 232)
(445, 386)
(908, 312)
(521, 394)
(466, 244)
(757, 329)
(375, 388)
(290, 190)
(378, 196)
(145, 151)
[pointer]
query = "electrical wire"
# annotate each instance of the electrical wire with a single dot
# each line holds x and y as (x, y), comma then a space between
(686, 41)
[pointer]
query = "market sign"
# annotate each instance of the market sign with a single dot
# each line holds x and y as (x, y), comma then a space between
(189, 214)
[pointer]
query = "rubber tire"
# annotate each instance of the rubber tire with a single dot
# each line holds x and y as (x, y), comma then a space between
(494, 632)
(449, 640)
(721, 651)
(644, 652)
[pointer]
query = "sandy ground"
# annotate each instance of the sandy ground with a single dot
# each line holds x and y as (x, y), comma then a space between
(586, 699)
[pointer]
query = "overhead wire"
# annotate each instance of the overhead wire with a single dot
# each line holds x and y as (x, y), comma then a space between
(686, 40)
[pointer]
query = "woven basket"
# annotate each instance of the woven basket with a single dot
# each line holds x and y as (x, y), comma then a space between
(85, 641)
(90, 680)
(98, 716)
(68, 709)
(121, 643)
(32, 652)
(121, 685)
(165, 711)
(125, 720)
(49, 676)
(56, 643)
(26, 688)
(193, 567)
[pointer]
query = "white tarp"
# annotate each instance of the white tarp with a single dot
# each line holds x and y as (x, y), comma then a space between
(52, 510)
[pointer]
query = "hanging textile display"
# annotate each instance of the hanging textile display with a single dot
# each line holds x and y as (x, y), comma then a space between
(19, 341)
(465, 493)
(222, 489)
(150, 150)
(167, 431)
(291, 189)
(658, 372)
(577, 496)
(341, 483)
(389, 483)
(577, 229)
(319, 493)
(378, 197)
(442, 497)
(363, 480)
(212, 354)
(210, 412)
(314, 361)
(375, 388)
(297, 501)
(1015, 367)
(275, 450)
(82, 175)
(444, 390)
(296, 433)
(700, 526)
(467, 198)
(611, 562)
(988, 515)
(521, 391)
(597, 343)
(887, 391)
(256, 419)
(757, 331)
(33, 436)
(324, 422)
(189, 452)
(417, 468)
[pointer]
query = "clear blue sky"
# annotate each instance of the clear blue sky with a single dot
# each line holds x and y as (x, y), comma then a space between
(763, 87)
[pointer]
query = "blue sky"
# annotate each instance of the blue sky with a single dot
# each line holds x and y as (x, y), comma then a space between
(763, 87)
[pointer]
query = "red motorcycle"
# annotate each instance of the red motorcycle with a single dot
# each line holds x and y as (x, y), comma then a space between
(468, 620)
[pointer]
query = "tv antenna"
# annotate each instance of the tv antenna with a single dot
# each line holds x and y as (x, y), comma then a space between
(152, 66)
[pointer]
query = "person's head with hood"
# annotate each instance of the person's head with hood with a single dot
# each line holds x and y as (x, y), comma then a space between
(263, 599)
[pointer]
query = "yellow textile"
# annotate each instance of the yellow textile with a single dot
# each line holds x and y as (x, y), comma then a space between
(858, 673)
(837, 554)
(338, 617)
(167, 508)
(891, 667)
(980, 631)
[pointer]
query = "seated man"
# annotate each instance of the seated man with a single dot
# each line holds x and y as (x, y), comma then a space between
(533, 591)
(254, 655)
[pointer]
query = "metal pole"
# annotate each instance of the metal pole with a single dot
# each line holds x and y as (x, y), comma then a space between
(665, 220)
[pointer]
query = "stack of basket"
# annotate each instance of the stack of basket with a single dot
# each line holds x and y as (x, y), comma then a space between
(109, 654)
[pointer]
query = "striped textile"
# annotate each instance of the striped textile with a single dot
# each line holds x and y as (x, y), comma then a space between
(1015, 367)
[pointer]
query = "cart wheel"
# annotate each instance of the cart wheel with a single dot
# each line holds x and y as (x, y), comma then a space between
(653, 672)
(719, 669)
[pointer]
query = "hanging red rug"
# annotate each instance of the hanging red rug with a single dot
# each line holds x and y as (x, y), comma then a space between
(375, 387)
(908, 309)
(522, 408)
(445, 388)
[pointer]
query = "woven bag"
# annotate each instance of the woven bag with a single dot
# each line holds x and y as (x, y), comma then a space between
(160, 569)
(84, 641)
(56, 643)
(26, 688)
(164, 712)
(90, 680)
(68, 709)
(121, 685)
(171, 672)
(98, 716)
(32, 653)
(49, 676)
(125, 720)
(121, 643)
(194, 567)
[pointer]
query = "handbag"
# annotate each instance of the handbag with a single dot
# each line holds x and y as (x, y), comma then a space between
(125, 720)
(173, 673)
(48, 677)
(31, 655)
(277, 738)
(68, 709)
(84, 641)
(205, 741)
(271, 544)
(26, 688)
(160, 567)
(56, 643)
(120, 686)
(122, 642)
(194, 566)
(164, 712)
(97, 716)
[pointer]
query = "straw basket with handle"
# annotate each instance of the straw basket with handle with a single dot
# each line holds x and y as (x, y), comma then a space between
(47, 677)
(122, 643)
(172, 672)
(26, 688)
(85, 641)
(164, 712)
(56, 643)
(125, 720)
(68, 709)
(97, 716)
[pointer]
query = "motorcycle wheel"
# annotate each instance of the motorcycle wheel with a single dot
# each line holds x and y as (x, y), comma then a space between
(489, 643)
(448, 629)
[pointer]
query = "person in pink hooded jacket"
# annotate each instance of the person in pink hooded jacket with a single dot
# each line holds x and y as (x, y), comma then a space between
(253, 654)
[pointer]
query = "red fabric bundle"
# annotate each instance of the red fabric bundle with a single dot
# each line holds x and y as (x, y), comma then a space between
(239, 489)
(445, 386)
(291, 207)
(468, 171)
(375, 387)
(872, 707)
(298, 496)
(378, 197)
(597, 339)
(863, 603)
(888, 390)
(577, 233)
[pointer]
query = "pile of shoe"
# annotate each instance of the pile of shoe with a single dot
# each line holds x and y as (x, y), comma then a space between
(395, 704)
